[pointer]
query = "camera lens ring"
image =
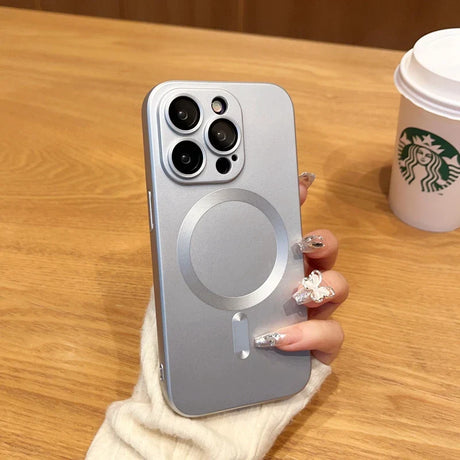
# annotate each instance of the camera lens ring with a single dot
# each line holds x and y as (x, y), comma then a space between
(187, 159)
(223, 136)
(184, 113)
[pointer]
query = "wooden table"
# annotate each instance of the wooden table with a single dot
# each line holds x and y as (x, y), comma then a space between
(75, 269)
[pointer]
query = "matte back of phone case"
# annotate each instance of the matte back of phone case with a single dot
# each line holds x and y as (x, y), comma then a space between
(225, 266)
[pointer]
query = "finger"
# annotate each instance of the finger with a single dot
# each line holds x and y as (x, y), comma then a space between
(323, 312)
(323, 338)
(302, 193)
(320, 257)
(305, 181)
(334, 281)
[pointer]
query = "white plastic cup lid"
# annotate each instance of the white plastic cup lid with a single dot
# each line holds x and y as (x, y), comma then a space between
(429, 74)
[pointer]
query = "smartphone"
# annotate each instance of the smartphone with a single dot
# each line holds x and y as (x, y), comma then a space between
(224, 216)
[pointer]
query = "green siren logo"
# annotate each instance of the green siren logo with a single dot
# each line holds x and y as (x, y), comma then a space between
(428, 159)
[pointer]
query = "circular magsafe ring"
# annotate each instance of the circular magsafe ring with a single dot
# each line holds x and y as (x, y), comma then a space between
(238, 214)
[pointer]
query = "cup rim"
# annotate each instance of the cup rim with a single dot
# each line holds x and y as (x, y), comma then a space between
(426, 88)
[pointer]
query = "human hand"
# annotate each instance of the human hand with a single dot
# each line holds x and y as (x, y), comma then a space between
(144, 427)
(320, 334)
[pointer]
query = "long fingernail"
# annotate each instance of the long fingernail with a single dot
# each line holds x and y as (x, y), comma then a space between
(307, 178)
(311, 243)
(269, 340)
(312, 291)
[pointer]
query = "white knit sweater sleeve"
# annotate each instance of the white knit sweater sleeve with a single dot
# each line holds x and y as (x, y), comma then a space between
(144, 427)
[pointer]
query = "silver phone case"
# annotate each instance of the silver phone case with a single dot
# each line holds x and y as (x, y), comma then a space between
(225, 263)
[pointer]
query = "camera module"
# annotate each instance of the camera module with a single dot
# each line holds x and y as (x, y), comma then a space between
(223, 134)
(187, 157)
(184, 113)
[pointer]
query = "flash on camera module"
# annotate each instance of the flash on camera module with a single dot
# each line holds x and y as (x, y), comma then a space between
(219, 105)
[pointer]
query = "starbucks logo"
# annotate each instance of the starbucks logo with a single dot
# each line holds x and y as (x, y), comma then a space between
(427, 159)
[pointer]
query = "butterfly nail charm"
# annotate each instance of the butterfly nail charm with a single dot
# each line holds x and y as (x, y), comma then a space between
(311, 289)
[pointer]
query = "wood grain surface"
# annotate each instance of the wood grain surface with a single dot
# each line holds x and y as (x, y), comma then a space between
(394, 24)
(75, 269)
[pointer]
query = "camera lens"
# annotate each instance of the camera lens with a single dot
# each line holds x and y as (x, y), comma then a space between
(223, 134)
(187, 157)
(223, 165)
(184, 113)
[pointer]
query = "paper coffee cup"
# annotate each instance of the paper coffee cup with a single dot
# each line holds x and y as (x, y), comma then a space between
(425, 179)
